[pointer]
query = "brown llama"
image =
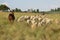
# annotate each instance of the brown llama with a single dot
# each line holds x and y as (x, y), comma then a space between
(11, 16)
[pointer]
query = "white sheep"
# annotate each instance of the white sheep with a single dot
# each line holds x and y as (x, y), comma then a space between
(39, 24)
(26, 16)
(48, 20)
(57, 21)
(31, 17)
(20, 19)
(28, 21)
(39, 19)
(43, 22)
(34, 25)
(32, 21)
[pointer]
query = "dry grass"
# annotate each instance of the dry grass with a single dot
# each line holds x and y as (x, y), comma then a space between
(22, 31)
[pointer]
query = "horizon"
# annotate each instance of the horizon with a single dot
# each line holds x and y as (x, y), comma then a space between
(42, 5)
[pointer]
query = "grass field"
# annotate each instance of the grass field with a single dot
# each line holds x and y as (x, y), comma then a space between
(22, 31)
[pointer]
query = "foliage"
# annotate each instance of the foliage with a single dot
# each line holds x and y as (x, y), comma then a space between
(33, 10)
(4, 8)
(56, 9)
(17, 10)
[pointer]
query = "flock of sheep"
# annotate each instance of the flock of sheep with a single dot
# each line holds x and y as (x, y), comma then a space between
(35, 20)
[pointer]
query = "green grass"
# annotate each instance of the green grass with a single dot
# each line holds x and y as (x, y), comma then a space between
(23, 31)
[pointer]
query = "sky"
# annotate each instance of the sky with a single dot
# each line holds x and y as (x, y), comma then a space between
(42, 5)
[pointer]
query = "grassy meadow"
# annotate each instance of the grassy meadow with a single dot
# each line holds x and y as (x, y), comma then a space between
(22, 31)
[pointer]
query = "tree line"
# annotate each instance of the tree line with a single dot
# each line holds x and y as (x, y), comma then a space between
(6, 9)
(56, 9)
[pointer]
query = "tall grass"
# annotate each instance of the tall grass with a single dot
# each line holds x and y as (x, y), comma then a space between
(23, 31)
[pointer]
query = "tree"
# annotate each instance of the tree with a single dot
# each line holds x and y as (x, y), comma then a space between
(37, 10)
(30, 10)
(4, 8)
(52, 10)
(34, 11)
(17, 10)
(58, 9)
